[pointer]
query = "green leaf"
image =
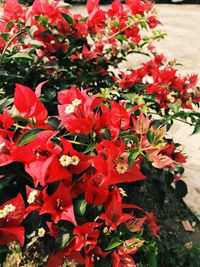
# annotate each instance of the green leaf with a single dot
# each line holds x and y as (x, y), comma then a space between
(121, 38)
(132, 156)
(68, 18)
(106, 134)
(196, 128)
(181, 189)
(176, 106)
(132, 138)
(80, 207)
(143, 24)
(5, 36)
(151, 136)
(29, 136)
(21, 55)
(5, 102)
(90, 148)
(4, 250)
(53, 122)
(132, 45)
(152, 260)
(9, 24)
(6, 180)
(115, 242)
(62, 241)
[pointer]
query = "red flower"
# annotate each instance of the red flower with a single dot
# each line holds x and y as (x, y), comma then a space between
(114, 215)
(154, 228)
(76, 112)
(112, 161)
(86, 235)
(55, 259)
(59, 205)
(160, 160)
(6, 151)
(11, 216)
(115, 119)
(95, 186)
(12, 11)
(42, 159)
(6, 122)
(28, 104)
(122, 259)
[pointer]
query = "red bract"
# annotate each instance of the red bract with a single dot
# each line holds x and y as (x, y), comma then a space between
(114, 215)
(28, 104)
(76, 112)
(55, 259)
(112, 161)
(59, 205)
(6, 122)
(95, 186)
(6, 151)
(42, 159)
(115, 119)
(12, 11)
(86, 236)
(11, 216)
(121, 259)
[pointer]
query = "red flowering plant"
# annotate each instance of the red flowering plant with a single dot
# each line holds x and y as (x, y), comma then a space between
(78, 133)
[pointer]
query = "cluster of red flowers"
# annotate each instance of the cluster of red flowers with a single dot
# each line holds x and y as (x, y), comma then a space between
(71, 164)
(164, 83)
(50, 157)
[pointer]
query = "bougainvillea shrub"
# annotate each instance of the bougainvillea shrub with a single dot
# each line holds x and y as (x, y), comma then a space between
(78, 132)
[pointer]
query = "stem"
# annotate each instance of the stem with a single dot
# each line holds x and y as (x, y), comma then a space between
(77, 143)
(20, 127)
(115, 34)
(8, 44)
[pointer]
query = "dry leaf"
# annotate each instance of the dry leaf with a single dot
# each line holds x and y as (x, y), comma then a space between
(187, 226)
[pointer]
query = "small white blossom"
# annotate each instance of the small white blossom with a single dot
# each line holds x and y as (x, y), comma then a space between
(3, 214)
(41, 232)
(190, 90)
(32, 196)
(75, 160)
(76, 102)
(65, 160)
(69, 109)
(9, 208)
(122, 192)
(122, 167)
(170, 98)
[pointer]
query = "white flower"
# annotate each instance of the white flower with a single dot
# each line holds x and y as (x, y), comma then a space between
(170, 98)
(122, 192)
(3, 214)
(190, 90)
(122, 167)
(65, 160)
(32, 196)
(9, 208)
(74, 160)
(41, 232)
(76, 102)
(69, 109)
